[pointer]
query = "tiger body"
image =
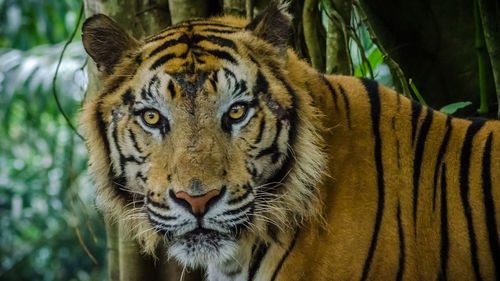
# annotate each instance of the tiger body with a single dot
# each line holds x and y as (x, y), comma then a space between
(401, 202)
(322, 178)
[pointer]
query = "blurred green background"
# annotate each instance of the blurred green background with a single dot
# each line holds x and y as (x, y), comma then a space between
(49, 226)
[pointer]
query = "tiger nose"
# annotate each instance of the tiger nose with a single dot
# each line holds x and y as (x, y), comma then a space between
(198, 205)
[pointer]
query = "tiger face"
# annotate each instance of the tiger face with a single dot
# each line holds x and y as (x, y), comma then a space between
(199, 150)
(199, 124)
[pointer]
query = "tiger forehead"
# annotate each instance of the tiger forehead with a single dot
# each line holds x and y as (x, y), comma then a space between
(192, 47)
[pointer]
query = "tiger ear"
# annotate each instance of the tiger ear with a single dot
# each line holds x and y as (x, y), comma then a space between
(273, 25)
(106, 42)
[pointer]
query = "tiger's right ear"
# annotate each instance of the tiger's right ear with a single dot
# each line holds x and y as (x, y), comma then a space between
(106, 42)
(273, 25)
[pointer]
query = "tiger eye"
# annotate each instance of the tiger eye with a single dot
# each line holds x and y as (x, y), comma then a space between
(237, 111)
(151, 117)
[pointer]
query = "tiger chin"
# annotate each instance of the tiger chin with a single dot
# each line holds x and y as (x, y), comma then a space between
(214, 137)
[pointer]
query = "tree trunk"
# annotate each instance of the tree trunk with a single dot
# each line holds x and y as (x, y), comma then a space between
(183, 9)
(310, 17)
(235, 7)
(337, 40)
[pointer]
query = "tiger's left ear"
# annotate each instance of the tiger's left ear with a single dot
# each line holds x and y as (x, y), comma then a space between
(273, 25)
(106, 42)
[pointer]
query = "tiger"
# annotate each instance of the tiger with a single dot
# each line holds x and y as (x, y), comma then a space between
(215, 138)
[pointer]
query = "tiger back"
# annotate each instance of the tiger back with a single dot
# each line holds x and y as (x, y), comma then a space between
(216, 138)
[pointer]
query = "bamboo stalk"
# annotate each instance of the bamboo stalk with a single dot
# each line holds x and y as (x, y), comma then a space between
(482, 62)
(249, 9)
(112, 241)
(490, 17)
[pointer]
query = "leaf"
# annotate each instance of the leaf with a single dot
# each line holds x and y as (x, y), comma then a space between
(452, 108)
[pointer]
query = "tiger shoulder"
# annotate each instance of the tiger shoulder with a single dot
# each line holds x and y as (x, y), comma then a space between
(215, 138)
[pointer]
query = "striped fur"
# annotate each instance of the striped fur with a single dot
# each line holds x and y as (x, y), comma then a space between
(326, 178)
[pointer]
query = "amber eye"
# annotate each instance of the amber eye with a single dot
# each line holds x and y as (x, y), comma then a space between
(237, 111)
(151, 117)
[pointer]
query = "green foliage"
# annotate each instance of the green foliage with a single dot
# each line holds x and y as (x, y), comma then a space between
(452, 108)
(28, 23)
(365, 47)
(46, 197)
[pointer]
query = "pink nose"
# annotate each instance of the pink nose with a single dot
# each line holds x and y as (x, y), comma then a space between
(198, 203)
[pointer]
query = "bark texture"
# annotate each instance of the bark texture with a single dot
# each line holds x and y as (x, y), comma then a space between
(311, 18)
(337, 40)
(235, 7)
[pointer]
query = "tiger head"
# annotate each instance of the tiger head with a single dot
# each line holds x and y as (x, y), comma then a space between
(200, 136)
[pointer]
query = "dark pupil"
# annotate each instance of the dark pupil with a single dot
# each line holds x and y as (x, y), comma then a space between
(151, 115)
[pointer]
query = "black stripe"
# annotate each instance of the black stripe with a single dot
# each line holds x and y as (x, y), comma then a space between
(261, 85)
(291, 116)
(171, 89)
(140, 176)
(291, 112)
(119, 184)
(215, 30)
(287, 253)
(401, 267)
(330, 88)
(134, 141)
(128, 98)
(373, 94)
(417, 161)
(222, 55)
(347, 106)
(444, 226)
(416, 108)
(220, 41)
(184, 39)
(489, 204)
(114, 135)
(162, 60)
(273, 148)
(158, 204)
(442, 150)
(160, 216)
(474, 127)
(238, 210)
(262, 126)
(102, 127)
(258, 256)
(236, 200)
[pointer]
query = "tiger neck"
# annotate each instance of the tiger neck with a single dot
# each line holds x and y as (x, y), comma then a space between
(256, 259)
